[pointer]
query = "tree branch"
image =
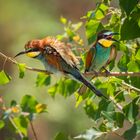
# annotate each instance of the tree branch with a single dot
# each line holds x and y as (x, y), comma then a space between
(27, 67)
(97, 74)
(109, 74)
(87, 74)
(34, 133)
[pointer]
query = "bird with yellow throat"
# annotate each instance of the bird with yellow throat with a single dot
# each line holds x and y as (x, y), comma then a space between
(57, 57)
(100, 54)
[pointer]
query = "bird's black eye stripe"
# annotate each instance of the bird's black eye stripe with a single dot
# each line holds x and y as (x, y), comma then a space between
(32, 50)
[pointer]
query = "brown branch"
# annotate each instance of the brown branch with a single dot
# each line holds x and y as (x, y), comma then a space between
(97, 74)
(104, 74)
(88, 74)
(27, 67)
(34, 133)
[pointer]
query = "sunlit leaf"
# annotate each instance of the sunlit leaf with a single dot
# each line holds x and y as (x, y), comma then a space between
(92, 28)
(101, 11)
(4, 78)
(53, 89)
(61, 136)
(2, 124)
(133, 66)
(21, 68)
(43, 79)
(67, 87)
(28, 104)
(21, 123)
(138, 55)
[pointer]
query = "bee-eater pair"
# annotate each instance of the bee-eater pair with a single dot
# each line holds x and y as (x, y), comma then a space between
(58, 58)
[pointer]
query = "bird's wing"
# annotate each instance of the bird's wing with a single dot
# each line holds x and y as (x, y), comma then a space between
(113, 54)
(89, 58)
(53, 58)
(63, 50)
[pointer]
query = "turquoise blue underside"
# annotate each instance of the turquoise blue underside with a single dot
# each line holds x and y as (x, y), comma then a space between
(101, 57)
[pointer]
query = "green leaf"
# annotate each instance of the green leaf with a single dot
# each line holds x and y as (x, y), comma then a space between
(138, 55)
(61, 136)
(21, 123)
(108, 115)
(131, 133)
(130, 29)
(92, 28)
(13, 103)
(91, 110)
(43, 79)
(122, 65)
(2, 124)
(28, 104)
(25, 138)
(67, 87)
(116, 118)
(133, 66)
(97, 14)
(21, 68)
(131, 110)
(4, 78)
(128, 5)
(101, 11)
(119, 119)
(52, 90)
(63, 20)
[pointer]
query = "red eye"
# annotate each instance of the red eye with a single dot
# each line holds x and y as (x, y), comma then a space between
(109, 37)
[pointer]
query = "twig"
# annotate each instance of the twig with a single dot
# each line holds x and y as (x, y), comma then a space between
(97, 74)
(34, 133)
(104, 74)
(28, 68)
(117, 104)
(13, 123)
(130, 87)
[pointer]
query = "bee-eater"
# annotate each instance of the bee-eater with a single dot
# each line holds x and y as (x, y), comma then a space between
(100, 54)
(57, 57)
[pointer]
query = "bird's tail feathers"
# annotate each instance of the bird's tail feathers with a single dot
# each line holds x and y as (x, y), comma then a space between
(83, 87)
(82, 79)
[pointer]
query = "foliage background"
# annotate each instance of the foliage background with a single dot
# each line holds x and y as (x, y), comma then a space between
(21, 21)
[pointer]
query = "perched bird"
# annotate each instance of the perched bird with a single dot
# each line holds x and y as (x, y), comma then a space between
(100, 54)
(57, 58)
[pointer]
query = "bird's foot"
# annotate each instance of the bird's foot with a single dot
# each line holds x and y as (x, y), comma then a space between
(106, 71)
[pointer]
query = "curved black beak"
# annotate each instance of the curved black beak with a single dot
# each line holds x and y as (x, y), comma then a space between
(112, 34)
(26, 51)
(20, 53)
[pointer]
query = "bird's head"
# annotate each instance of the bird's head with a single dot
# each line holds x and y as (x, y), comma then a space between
(105, 38)
(32, 49)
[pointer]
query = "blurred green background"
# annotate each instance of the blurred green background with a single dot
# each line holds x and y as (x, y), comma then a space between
(21, 21)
